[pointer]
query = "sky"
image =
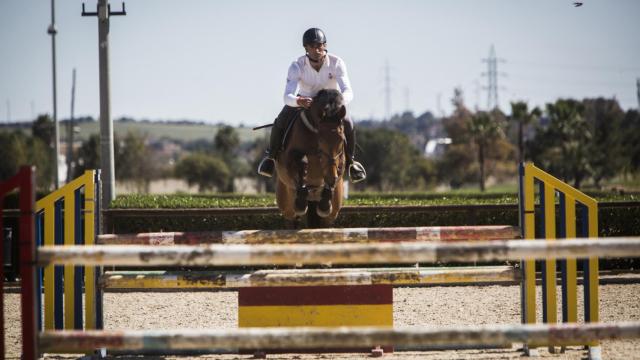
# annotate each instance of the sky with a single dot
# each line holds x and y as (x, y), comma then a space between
(227, 60)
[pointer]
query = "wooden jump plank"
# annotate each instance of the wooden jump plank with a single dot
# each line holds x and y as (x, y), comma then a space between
(387, 253)
(340, 337)
(316, 236)
(317, 277)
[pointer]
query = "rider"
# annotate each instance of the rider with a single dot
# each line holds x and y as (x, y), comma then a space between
(310, 73)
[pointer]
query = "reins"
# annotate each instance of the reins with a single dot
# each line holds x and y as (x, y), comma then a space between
(306, 122)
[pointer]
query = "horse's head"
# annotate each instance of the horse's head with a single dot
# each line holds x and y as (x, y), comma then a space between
(327, 113)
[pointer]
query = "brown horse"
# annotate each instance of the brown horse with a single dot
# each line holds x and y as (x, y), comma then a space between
(311, 166)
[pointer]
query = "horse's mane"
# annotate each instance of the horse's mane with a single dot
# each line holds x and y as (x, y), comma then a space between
(331, 103)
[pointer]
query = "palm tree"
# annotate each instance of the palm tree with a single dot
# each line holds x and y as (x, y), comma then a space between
(520, 113)
(484, 128)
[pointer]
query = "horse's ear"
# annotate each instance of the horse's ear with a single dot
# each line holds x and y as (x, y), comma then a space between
(342, 113)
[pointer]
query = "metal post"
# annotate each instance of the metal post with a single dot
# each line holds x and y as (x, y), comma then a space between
(106, 124)
(70, 129)
(638, 91)
(56, 145)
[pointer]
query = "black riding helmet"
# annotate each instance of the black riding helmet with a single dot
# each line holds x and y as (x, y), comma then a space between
(313, 35)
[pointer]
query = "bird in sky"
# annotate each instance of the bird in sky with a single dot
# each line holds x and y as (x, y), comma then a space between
(577, 4)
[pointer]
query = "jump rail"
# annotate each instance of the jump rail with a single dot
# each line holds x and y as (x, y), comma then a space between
(307, 338)
(316, 236)
(296, 254)
(315, 277)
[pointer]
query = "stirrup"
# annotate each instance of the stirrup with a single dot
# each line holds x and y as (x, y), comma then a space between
(266, 167)
(357, 172)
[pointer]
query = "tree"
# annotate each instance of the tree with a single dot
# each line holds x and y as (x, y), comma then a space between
(227, 146)
(206, 171)
(88, 157)
(43, 129)
(13, 152)
(631, 141)
(42, 157)
(523, 117)
(134, 161)
(457, 165)
(484, 129)
(226, 142)
(563, 146)
(607, 157)
(392, 162)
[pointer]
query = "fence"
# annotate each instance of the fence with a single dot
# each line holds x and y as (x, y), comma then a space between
(574, 208)
(24, 181)
(67, 217)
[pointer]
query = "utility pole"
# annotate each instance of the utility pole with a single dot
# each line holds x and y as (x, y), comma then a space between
(103, 12)
(492, 79)
(70, 128)
(387, 91)
(56, 143)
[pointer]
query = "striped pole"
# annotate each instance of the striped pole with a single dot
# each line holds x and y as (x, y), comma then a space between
(399, 253)
(186, 280)
(316, 236)
(340, 337)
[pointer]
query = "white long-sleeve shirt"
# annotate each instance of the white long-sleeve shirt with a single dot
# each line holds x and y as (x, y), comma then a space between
(304, 80)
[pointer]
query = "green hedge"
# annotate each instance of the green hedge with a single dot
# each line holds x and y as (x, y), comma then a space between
(613, 221)
(355, 199)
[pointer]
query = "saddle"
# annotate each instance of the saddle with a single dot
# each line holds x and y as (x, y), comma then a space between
(295, 115)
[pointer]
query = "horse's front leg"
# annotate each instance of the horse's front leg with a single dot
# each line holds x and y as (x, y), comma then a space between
(302, 191)
(324, 207)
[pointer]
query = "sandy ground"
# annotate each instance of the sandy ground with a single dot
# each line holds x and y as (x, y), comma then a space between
(412, 307)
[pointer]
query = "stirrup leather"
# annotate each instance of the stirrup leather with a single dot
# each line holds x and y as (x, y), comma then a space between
(357, 172)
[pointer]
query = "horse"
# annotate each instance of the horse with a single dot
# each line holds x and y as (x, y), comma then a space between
(311, 166)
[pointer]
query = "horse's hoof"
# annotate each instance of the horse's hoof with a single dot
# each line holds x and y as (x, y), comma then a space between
(323, 210)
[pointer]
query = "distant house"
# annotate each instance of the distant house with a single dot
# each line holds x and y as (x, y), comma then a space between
(435, 147)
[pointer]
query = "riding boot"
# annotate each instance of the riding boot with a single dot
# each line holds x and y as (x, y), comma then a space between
(267, 165)
(357, 172)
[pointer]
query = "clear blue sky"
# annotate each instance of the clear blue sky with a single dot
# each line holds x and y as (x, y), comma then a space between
(227, 60)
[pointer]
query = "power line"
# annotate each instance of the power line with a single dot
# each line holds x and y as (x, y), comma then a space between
(575, 66)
